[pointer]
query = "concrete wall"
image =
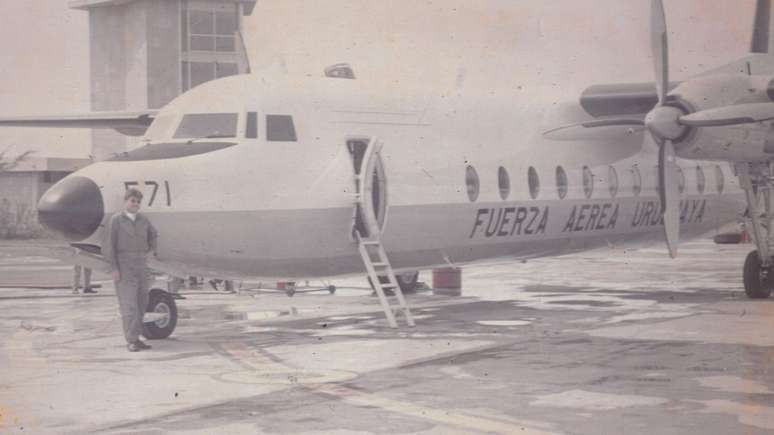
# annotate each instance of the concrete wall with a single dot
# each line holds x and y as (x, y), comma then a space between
(108, 74)
(163, 35)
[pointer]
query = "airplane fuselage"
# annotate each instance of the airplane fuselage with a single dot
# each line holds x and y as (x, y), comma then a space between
(455, 182)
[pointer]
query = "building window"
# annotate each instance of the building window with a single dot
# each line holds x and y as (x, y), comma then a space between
(51, 177)
(701, 180)
(612, 181)
(720, 180)
(534, 182)
(636, 180)
(280, 128)
(471, 181)
(503, 182)
(561, 182)
(209, 41)
(588, 182)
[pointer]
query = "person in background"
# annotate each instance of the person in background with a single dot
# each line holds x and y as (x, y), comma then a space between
(86, 280)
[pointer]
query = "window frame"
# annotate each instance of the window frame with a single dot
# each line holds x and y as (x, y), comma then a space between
(533, 182)
(587, 178)
(636, 180)
(472, 183)
(720, 179)
(612, 181)
(503, 183)
(562, 182)
(701, 180)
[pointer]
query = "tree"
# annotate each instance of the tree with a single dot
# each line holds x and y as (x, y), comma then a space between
(6, 164)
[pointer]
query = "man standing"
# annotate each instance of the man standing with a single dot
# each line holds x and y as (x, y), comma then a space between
(131, 237)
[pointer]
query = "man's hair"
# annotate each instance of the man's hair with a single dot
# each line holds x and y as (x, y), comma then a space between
(132, 193)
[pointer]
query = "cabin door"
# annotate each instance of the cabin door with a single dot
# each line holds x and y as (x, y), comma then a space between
(370, 186)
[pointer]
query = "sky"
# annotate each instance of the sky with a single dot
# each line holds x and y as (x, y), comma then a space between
(44, 61)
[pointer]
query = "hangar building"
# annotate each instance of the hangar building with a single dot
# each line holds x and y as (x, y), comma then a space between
(143, 53)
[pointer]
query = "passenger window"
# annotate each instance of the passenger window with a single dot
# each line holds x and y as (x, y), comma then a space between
(588, 182)
(720, 181)
(636, 180)
(207, 126)
(612, 181)
(534, 182)
(561, 182)
(503, 182)
(251, 126)
(471, 181)
(701, 181)
(280, 128)
(680, 179)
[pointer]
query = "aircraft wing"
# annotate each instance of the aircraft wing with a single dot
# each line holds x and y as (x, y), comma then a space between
(127, 123)
(620, 99)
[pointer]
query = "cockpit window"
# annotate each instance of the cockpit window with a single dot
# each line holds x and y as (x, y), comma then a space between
(280, 128)
(207, 125)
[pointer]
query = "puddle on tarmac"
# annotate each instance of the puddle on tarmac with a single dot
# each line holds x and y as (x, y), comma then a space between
(224, 314)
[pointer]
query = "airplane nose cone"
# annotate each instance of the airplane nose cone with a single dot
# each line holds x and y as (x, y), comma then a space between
(72, 208)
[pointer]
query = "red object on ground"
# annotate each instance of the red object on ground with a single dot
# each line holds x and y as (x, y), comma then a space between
(447, 277)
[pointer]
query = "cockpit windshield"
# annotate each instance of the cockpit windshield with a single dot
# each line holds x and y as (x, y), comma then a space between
(207, 125)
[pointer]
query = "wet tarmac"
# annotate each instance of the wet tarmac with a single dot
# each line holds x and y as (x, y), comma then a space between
(602, 342)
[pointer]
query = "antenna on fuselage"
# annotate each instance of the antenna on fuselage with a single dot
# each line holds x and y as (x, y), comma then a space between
(761, 27)
(340, 71)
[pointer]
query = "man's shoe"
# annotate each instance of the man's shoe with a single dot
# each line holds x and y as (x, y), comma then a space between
(132, 347)
(75, 291)
(89, 290)
(141, 345)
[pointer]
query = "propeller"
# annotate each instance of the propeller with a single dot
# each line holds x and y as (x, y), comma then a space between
(663, 123)
(667, 123)
(730, 115)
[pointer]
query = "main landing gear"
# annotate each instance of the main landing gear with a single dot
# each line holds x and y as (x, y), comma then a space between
(756, 180)
(161, 315)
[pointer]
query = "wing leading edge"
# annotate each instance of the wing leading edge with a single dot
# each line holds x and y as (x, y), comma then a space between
(127, 123)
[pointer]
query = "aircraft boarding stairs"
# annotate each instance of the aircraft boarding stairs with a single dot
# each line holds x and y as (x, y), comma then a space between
(371, 249)
(378, 266)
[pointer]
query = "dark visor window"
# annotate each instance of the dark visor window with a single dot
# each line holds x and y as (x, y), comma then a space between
(280, 128)
(207, 125)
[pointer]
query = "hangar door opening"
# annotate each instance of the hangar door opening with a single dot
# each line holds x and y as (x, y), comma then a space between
(370, 186)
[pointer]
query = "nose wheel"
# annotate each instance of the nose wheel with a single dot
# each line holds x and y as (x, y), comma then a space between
(757, 278)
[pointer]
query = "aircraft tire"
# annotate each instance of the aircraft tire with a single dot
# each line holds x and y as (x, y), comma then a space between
(406, 281)
(755, 286)
(160, 301)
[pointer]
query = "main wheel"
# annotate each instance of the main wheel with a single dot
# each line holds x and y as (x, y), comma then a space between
(407, 281)
(757, 282)
(163, 306)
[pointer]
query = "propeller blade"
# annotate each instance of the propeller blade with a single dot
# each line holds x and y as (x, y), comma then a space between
(660, 48)
(730, 115)
(669, 194)
(601, 129)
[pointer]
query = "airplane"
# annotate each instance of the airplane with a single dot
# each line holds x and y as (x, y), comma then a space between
(289, 178)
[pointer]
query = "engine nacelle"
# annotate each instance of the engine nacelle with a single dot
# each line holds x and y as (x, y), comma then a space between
(744, 142)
